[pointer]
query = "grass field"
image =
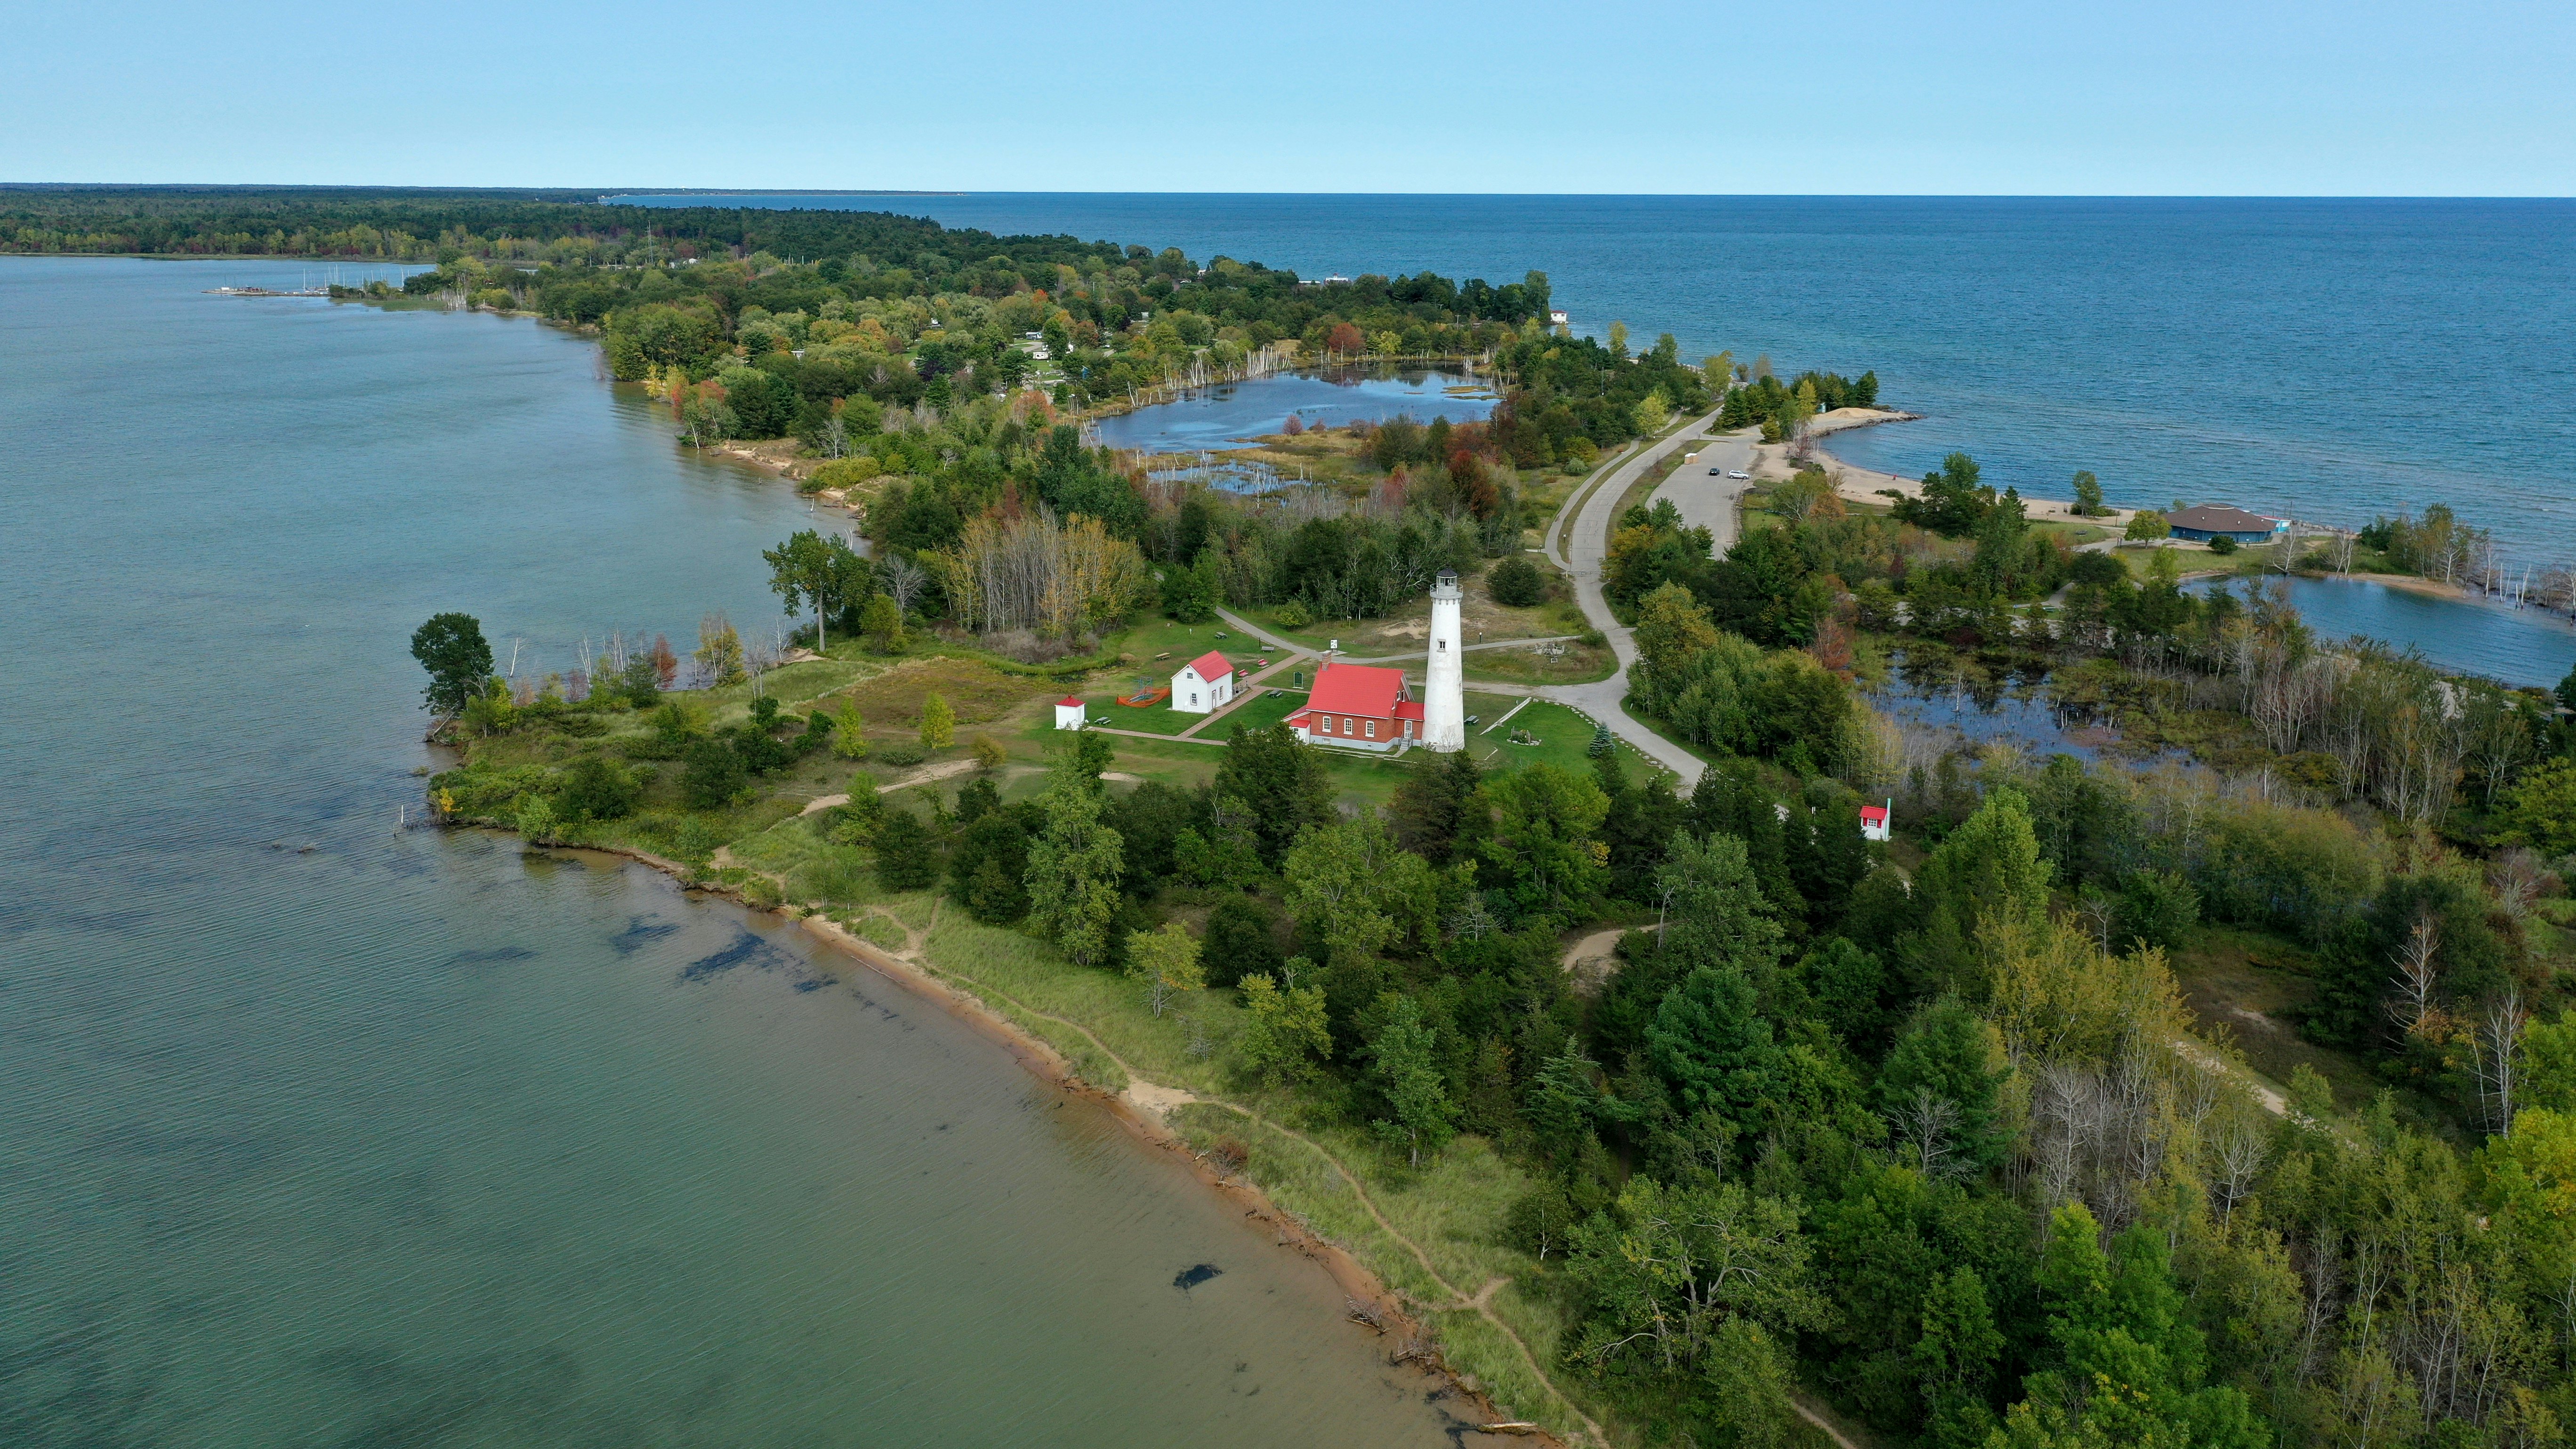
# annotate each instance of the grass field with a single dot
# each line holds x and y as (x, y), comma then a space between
(1407, 631)
(1580, 663)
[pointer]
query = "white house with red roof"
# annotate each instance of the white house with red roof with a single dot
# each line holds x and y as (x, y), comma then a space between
(1203, 685)
(1358, 707)
(1068, 713)
(1874, 820)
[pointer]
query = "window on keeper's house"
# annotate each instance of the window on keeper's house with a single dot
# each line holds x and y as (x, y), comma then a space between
(1194, 698)
(1372, 729)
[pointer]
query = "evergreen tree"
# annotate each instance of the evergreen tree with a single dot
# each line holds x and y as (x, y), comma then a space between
(1950, 1055)
(1242, 940)
(907, 853)
(1435, 807)
(1711, 1046)
(1280, 782)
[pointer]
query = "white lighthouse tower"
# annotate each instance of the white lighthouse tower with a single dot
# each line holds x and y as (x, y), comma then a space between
(1444, 700)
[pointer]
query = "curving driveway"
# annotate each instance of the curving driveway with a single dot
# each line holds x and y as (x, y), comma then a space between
(1578, 547)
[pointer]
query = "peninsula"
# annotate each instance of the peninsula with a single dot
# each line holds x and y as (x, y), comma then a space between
(1699, 1049)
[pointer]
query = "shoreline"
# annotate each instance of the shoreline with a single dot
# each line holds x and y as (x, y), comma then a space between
(1856, 484)
(1139, 1112)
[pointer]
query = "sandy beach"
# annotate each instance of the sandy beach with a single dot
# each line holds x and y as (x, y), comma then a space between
(1862, 485)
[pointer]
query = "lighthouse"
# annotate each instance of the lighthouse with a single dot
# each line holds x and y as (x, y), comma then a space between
(1444, 702)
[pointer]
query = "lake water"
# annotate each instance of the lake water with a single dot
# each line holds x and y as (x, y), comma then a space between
(421, 1139)
(2517, 646)
(1233, 413)
(2328, 359)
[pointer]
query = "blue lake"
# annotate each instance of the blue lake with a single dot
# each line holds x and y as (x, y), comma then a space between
(2517, 646)
(2280, 353)
(1231, 414)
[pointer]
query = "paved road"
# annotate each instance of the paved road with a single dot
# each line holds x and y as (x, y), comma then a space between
(1584, 546)
(1579, 551)
(1708, 500)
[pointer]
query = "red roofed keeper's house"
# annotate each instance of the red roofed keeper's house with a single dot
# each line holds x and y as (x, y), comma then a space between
(1204, 684)
(1358, 707)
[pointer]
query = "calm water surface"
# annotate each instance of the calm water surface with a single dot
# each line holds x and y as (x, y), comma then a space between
(321, 1134)
(1231, 413)
(2517, 646)
(2330, 359)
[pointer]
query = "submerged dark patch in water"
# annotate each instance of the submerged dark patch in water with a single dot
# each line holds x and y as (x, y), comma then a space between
(640, 930)
(492, 957)
(746, 950)
(1195, 1274)
(809, 984)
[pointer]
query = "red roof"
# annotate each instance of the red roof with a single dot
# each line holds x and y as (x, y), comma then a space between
(1068, 701)
(1357, 689)
(1408, 709)
(1873, 815)
(1212, 666)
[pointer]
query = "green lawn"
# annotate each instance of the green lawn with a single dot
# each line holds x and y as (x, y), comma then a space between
(1183, 642)
(1564, 735)
(1580, 664)
(1260, 713)
(1157, 718)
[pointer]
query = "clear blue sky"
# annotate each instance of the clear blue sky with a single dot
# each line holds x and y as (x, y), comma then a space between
(2208, 97)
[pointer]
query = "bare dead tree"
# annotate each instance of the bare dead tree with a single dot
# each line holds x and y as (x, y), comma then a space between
(1927, 1121)
(904, 581)
(2495, 1046)
(2236, 1157)
(2415, 978)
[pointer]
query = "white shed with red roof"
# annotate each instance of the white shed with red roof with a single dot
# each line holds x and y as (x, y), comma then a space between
(1204, 684)
(1068, 713)
(1358, 707)
(1874, 820)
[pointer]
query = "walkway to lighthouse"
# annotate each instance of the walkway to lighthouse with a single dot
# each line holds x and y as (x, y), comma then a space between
(1577, 540)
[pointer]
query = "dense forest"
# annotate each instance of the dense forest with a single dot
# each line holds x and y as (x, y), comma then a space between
(1922, 1127)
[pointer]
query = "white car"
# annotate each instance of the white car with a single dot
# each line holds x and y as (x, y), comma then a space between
(1738, 473)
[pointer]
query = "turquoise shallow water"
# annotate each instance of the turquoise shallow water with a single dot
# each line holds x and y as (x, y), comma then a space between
(420, 1139)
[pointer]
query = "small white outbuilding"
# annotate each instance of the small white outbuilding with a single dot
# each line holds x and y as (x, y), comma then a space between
(1203, 685)
(1068, 713)
(1874, 820)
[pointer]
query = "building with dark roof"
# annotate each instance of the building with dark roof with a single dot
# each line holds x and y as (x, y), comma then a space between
(2206, 521)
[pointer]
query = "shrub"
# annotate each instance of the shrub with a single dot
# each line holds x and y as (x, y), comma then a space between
(713, 775)
(2222, 544)
(1516, 583)
(595, 789)
(902, 756)
(841, 473)
(1293, 615)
